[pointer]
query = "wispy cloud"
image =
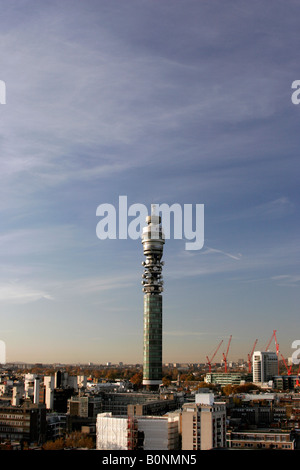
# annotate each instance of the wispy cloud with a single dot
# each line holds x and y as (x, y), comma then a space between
(184, 333)
(273, 209)
(38, 241)
(21, 293)
(292, 280)
(209, 250)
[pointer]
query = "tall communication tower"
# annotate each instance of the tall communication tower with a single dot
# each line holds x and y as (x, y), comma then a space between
(153, 240)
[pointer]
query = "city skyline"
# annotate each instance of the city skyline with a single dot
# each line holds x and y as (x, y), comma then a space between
(161, 102)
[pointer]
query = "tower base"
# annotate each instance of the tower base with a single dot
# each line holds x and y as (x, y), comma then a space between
(152, 385)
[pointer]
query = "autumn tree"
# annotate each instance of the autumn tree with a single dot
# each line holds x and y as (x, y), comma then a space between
(166, 380)
(58, 444)
(137, 379)
(74, 440)
(77, 439)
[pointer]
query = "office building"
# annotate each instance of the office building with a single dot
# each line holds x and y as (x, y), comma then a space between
(286, 382)
(85, 406)
(264, 366)
(227, 378)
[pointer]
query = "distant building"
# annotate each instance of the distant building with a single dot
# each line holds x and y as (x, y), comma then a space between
(264, 366)
(121, 404)
(17, 393)
(60, 399)
(286, 382)
(85, 407)
(228, 378)
(203, 424)
(49, 391)
(78, 406)
(29, 381)
(56, 425)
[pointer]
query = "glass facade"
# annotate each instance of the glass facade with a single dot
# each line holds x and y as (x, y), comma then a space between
(152, 370)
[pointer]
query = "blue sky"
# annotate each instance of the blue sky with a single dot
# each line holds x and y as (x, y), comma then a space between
(164, 101)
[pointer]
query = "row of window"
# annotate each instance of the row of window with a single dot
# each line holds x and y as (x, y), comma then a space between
(249, 444)
(13, 416)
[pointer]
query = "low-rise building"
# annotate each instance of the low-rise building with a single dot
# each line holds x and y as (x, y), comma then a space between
(261, 439)
(228, 378)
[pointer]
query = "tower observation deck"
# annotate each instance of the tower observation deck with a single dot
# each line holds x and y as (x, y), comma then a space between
(153, 240)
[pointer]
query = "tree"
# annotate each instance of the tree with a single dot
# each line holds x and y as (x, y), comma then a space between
(137, 379)
(74, 440)
(58, 444)
(228, 389)
(166, 380)
(77, 439)
(246, 388)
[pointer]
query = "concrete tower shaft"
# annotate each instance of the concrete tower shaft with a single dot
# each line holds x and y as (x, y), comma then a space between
(153, 240)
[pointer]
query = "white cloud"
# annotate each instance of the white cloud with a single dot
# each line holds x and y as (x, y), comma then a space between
(275, 208)
(21, 293)
(292, 280)
(209, 250)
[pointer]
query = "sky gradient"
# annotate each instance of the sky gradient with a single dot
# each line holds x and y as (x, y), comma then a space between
(163, 101)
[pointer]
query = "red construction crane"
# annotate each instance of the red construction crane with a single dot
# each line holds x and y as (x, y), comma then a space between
(210, 360)
(276, 344)
(277, 349)
(225, 355)
(297, 380)
(289, 369)
(268, 345)
(250, 356)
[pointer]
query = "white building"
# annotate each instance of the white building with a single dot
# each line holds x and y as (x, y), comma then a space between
(49, 391)
(36, 390)
(138, 432)
(111, 432)
(29, 384)
(159, 432)
(81, 381)
(18, 392)
(264, 366)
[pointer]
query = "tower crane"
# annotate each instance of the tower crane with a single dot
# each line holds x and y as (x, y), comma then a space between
(225, 355)
(289, 369)
(209, 361)
(268, 345)
(276, 345)
(297, 380)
